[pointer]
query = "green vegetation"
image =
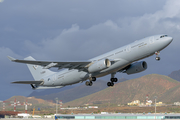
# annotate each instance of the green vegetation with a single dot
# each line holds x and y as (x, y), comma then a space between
(173, 109)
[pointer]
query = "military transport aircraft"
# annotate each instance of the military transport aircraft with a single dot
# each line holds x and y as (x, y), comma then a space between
(123, 59)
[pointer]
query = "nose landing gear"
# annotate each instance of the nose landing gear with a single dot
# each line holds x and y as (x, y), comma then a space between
(158, 58)
(157, 53)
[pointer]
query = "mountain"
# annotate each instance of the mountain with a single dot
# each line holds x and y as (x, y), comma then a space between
(165, 88)
(75, 92)
(175, 75)
(32, 100)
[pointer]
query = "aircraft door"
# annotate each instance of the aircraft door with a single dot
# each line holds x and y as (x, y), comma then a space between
(49, 81)
(54, 79)
(60, 79)
(151, 40)
(128, 48)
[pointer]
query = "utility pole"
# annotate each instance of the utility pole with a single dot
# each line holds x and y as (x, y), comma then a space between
(15, 104)
(4, 106)
(26, 106)
(155, 97)
(60, 102)
(56, 105)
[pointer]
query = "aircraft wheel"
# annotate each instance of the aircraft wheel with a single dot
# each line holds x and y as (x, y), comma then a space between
(115, 79)
(90, 83)
(112, 84)
(94, 79)
(87, 83)
(112, 79)
(158, 58)
(109, 84)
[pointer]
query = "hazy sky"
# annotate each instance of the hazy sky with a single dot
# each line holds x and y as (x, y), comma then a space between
(67, 30)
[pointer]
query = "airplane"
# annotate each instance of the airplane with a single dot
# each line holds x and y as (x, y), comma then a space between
(124, 59)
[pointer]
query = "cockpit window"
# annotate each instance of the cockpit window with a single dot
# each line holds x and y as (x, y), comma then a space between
(163, 36)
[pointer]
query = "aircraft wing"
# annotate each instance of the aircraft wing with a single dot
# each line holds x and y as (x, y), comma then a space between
(48, 64)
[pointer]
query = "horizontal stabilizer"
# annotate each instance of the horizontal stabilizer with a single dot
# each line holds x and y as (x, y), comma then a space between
(43, 87)
(28, 82)
(11, 58)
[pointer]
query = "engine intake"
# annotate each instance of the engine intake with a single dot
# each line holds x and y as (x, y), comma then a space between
(136, 67)
(99, 65)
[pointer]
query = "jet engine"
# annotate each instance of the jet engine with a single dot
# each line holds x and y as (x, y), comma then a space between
(99, 65)
(136, 67)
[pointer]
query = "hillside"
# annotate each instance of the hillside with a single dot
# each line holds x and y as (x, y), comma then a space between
(33, 102)
(165, 88)
(175, 75)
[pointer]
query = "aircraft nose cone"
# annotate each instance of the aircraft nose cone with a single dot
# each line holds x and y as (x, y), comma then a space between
(170, 39)
(165, 41)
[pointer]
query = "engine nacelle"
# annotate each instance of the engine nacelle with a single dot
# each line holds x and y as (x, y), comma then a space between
(99, 65)
(136, 67)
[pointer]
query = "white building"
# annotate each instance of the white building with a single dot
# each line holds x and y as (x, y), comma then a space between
(176, 103)
(23, 115)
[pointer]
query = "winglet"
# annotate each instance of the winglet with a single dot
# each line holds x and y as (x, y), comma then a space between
(11, 58)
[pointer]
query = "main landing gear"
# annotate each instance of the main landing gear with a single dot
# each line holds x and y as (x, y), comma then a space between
(90, 82)
(157, 53)
(113, 79)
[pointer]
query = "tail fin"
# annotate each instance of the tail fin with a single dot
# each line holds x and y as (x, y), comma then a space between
(37, 71)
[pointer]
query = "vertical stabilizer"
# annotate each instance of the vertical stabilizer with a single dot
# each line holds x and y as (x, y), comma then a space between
(37, 71)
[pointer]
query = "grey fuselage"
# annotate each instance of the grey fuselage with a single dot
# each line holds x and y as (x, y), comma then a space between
(122, 56)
